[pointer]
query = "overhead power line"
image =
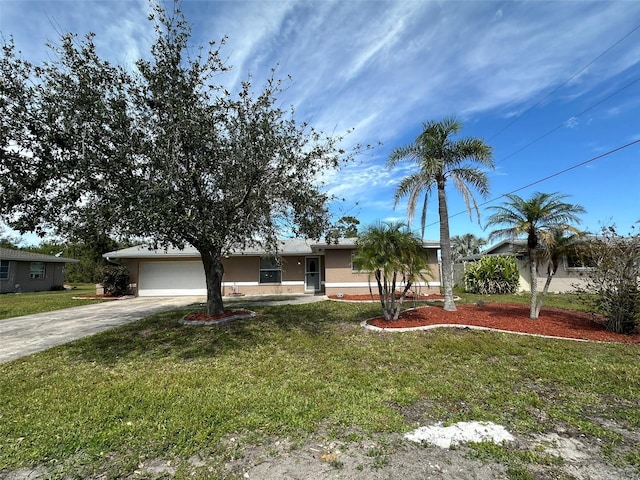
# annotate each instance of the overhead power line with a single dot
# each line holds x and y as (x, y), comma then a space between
(548, 177)
(558, 127)
(563, 84)
(591, 107)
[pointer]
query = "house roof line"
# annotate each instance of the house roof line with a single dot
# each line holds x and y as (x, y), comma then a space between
(26, 256)
(293, 246)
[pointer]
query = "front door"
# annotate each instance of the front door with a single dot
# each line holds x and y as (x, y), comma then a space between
(312, 274)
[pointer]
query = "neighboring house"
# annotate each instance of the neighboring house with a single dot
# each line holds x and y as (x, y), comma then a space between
(22, 271)
(300, 267)
(569, 276)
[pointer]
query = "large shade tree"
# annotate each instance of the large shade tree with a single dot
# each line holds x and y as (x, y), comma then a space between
(545, 219)
(396, 258)
(160, 152)
(441, 157)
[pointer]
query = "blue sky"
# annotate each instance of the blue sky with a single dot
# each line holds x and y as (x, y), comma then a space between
(549, 85)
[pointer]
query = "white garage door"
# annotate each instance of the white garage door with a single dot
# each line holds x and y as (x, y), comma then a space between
(169, 279)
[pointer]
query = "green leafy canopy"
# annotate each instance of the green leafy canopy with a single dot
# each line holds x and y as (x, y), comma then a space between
(162, 152)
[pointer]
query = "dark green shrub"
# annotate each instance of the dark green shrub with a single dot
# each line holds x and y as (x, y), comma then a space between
(114, 279)
(492, 275)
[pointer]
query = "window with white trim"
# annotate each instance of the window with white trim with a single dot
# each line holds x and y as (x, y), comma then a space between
(4, 269)
(270, 270)
(354, 265)
(578, 262)
(36, 270)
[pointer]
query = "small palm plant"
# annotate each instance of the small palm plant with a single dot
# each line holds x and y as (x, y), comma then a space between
(396, 258)
(544, 219)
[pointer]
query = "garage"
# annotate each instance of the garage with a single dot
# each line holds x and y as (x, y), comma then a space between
(175, 278)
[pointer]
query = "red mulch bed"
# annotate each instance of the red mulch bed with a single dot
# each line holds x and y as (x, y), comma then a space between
(553, 322)
(376, 297)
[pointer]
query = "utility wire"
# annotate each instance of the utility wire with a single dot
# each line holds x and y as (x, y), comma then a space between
(558, 127)
(563, 84)
(548, 177)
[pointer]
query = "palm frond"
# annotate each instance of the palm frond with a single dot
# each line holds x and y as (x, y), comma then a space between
(400, 154)
(540, 217)
(467, 196)
(474, 177)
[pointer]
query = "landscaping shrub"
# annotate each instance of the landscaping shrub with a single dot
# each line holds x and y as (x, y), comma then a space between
(114, 279)
(492, 275)
(614, 276)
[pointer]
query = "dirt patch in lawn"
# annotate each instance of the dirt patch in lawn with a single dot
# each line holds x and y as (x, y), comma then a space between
(553, 455)
(393, 457)
(553, 322)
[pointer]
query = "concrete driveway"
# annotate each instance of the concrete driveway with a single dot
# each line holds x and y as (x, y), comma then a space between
(21, 336)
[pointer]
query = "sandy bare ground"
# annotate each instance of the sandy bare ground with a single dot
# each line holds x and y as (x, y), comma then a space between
(393, 457)
(568, 456)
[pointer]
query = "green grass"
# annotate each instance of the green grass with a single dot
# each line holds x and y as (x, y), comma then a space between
(158, 389)
(18, 304)
(568, 301)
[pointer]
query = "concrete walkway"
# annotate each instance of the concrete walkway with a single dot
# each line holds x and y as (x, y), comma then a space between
(21, 336)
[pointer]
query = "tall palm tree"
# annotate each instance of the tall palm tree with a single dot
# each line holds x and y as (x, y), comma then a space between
(440, 157)
(396, 257)
(543, 219)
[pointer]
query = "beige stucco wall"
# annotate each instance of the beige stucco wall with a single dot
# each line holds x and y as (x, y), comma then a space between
(244, 269)
(242, 274)
(564, 281)
(241, 269)
(19, 275)
(339, 277)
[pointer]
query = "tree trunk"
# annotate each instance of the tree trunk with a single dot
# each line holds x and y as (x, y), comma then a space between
(213, 271)
(533, 272)
(396, 315)
(445, 249)
(544, 292)
(382, 293)
(392, 310)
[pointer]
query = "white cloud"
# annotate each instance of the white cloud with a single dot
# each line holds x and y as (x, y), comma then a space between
(385, 67)
(571, 123)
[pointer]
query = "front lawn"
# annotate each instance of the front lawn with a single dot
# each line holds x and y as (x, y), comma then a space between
(18, 304)
(157, 389)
